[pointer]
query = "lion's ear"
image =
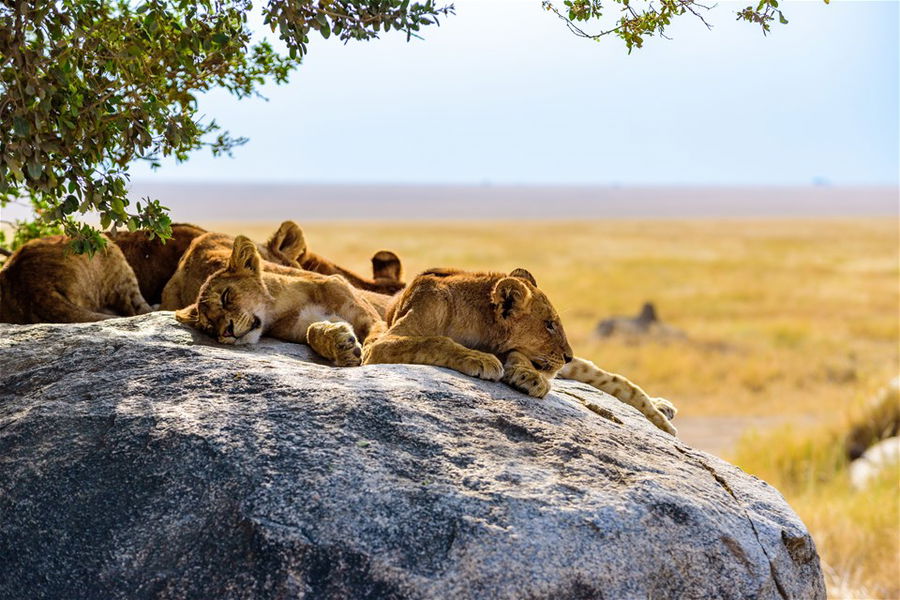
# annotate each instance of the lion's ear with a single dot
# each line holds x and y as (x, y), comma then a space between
(523, 274)
(386, 265)
(511, 297)
(244, 257)
(288, 242)
(187, 315)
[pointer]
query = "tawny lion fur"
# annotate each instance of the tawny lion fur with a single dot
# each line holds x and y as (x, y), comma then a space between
(487, 325)
(470, 322)
(285, 252)
(155, 262)
(242, 301)
(152, 260)
(43, 281)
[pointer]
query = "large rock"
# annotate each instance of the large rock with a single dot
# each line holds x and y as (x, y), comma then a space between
(140, 460)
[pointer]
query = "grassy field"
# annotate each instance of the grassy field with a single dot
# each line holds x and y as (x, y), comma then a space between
(784, 318)
(791, 325)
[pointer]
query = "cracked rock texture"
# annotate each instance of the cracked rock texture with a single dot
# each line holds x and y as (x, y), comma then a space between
(138, 459)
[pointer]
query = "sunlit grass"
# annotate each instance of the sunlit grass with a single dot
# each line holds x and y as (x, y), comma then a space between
(783, 317)
(792, 320)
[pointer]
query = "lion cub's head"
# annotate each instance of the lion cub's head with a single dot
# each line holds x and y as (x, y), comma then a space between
(233, 303)
(531, 324)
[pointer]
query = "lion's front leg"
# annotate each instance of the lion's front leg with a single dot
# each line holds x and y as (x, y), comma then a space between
(624, 390)
(336, 342)
(521, 375)
(433, 350)
(351, 306)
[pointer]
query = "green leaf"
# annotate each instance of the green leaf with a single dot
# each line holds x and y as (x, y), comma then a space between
(70, 204)
(21, 126)
(35, 170)
(150, 23)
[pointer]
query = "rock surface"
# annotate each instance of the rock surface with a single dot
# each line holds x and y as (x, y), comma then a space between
(140, 460)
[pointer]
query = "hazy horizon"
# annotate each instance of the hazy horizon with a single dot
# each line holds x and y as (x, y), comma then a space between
(322, 202)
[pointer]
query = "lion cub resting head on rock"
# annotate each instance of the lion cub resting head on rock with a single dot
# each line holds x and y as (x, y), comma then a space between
(240, 302)
(284, 252)
(496, 327)
(465, 321)
(44, 282)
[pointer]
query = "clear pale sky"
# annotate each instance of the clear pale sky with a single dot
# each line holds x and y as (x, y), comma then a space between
(503, 93)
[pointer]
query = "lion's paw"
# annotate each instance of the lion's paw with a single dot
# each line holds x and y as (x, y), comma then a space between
(527, 381)
(335, 341)
(481, 365)
(665, 407)
(347, 349)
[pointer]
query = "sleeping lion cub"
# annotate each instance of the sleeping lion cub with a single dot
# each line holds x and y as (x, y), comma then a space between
(470, 322)
(240, 302)
(44, 282)
(464, 321)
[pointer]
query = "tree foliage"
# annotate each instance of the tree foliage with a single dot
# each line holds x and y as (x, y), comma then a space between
(638, 19)
(87, 87)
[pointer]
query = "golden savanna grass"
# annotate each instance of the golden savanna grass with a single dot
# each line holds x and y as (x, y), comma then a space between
(784, 317)
(791, 325)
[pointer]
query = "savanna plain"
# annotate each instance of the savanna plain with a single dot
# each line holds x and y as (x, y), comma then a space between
(790, 327)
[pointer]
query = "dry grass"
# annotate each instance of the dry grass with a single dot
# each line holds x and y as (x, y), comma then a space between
(786, 317)
(793, 320)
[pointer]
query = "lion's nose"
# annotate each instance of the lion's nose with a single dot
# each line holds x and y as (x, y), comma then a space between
(567, 357)
(230, 329)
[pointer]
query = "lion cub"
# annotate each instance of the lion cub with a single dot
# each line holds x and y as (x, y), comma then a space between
(44, 282)
(285, 252)
(240, 302)
(470, 322)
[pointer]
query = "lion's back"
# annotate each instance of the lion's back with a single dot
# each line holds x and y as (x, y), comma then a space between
(32, 276)
(44, 281)
(153, 261)
(437, 292)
